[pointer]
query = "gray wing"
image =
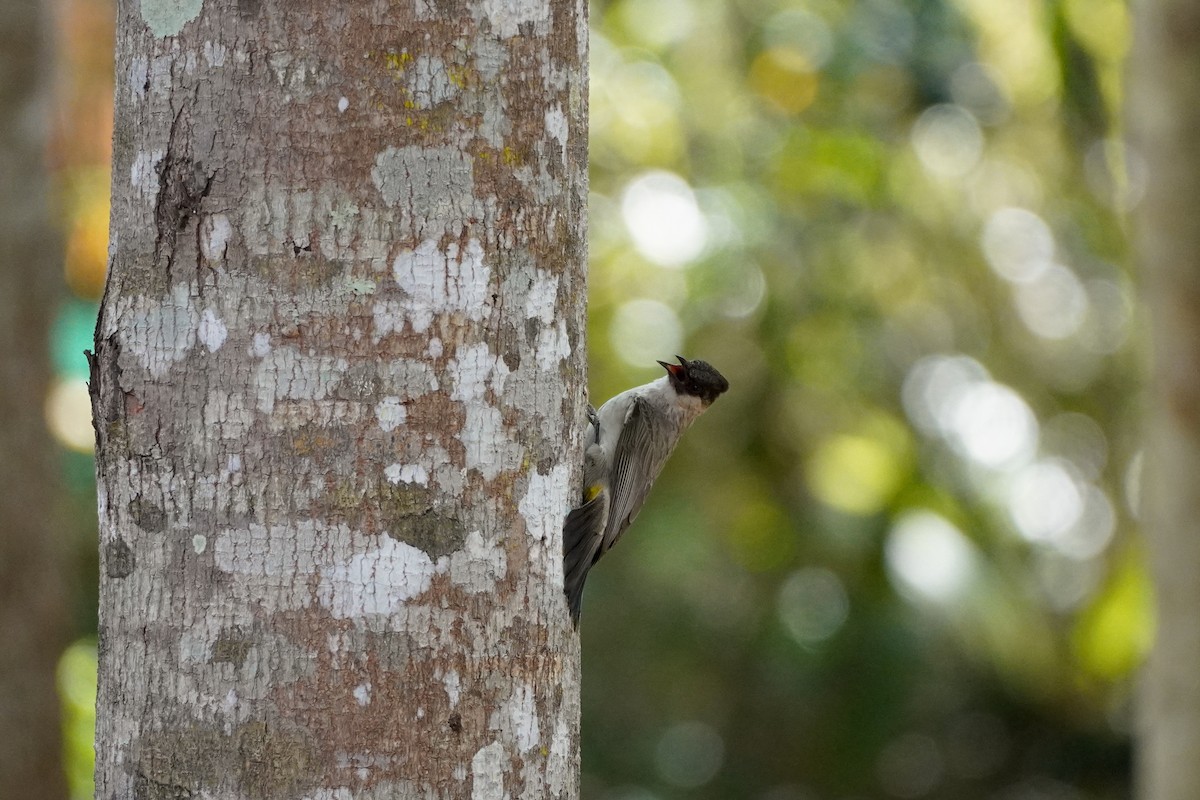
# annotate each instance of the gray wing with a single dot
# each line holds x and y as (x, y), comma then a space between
(641, 451)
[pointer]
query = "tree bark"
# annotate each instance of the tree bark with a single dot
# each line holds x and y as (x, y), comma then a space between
(1164, 118)
(33, 625)
(338, 394)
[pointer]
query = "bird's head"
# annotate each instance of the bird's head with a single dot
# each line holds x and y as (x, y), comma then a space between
(696, 378)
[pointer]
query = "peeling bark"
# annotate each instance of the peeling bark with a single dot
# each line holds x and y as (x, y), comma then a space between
(337, 388)
(1163, 118)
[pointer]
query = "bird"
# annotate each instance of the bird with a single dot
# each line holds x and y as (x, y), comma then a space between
(628, 441)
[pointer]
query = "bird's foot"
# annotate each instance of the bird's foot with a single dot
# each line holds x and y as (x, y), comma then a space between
(594, 421)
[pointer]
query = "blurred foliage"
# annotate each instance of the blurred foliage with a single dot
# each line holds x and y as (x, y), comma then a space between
(77, 692)
(80, 154)
(899, 558)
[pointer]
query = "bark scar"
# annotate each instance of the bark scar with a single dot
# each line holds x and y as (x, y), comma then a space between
(182, 186)
(104, 387)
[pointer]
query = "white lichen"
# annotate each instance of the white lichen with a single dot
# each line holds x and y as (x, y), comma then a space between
(487, 773)
(260, 345)
(429, 82)
(558, 762)
(377, 581)
(557, 128)
(142, 173)
(212, 331)
(542, 297)
(287, 374)
(433, 187)
(406, 473)
(387, 316)
(362, 287)
(487, 444)
(507, 16)
(196, 641)
(436, 282)
(167, 17)
(215, 233)
(159, 331)
(473, 370)
(553, 345)
(452, 682)
(276, 551)
(345, 213)
(485, 441)
(214, 54)
(479, 565)
(517, 719)
(542, 506)
(136, 78)
(391, 413)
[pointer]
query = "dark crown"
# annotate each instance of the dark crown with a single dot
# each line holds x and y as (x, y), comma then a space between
(696, 378)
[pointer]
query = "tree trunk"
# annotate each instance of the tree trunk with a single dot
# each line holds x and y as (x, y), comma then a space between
(32, 610)
(338, 395)
(1164, 118)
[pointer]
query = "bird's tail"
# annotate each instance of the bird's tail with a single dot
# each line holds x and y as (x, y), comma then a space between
(583, 532)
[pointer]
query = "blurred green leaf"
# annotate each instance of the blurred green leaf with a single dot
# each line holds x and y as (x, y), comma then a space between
(77, 692)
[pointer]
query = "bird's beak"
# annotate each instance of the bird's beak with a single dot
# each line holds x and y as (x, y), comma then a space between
(676, 371)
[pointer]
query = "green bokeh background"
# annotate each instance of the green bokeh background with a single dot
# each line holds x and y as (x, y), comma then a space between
(900, 558)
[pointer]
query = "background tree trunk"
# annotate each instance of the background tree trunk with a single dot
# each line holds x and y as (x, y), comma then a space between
(32, 609)
(1164, 118)
(338, 388)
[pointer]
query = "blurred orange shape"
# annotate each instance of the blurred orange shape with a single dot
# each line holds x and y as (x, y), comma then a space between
(87, 250)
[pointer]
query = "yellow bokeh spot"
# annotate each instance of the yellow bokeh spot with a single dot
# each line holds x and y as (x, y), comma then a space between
(785, 78)
(856, 474)
(1102, 25)
(77, 693)
(87, 249)
(1015, 41)
(69, 415)
(1114, 635)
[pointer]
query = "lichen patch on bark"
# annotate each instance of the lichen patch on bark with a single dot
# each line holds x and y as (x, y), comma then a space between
(437, 280)
(487, 773)
(338, 390)
(167, 17)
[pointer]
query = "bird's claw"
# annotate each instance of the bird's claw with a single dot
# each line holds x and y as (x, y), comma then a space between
(594, 421)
